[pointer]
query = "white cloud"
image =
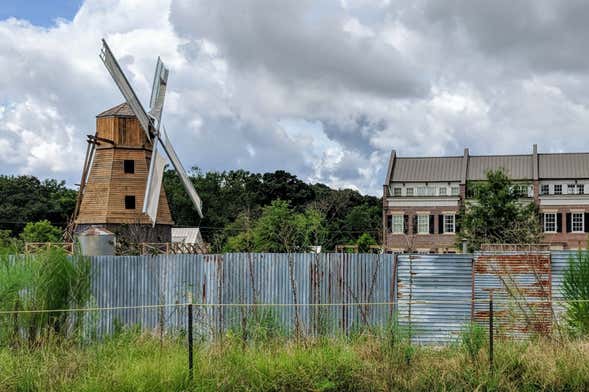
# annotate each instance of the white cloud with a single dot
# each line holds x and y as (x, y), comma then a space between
(324, 90)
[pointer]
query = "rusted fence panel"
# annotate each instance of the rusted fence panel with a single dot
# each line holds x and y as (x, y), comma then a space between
(522, 292)
(434, 296)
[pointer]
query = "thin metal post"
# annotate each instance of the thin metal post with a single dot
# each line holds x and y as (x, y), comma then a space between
(190, 346)
(491, 331)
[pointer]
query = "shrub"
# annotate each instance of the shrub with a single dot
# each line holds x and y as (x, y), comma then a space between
(575, 289)
(472, 340)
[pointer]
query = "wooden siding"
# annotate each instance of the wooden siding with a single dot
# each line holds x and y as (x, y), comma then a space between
(104, 196)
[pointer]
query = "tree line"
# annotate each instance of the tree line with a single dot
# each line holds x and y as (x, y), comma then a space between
(242, 210)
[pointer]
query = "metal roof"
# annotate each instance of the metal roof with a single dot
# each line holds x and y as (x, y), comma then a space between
(516, 167)
(187, 235)
(427, 169)
(122, 110)
(566, 165)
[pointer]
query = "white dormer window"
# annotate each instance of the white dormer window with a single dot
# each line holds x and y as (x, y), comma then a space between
(455, 190)
(443, 191)
(420, 191)
(571, 189)
(581, 189)
(558, 189)
(396, 191)
(409, 192)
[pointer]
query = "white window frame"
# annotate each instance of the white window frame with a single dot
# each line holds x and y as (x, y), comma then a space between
(443, 191)
(430, 191)
(399, 190)
(422, 224)
(554, 222)
(560, 189)
(576, 215)
(455, 191)
(571, 189)
(449, 222)
(581, 189)
(421, 191)
(409, 191)
(398, 224)
(544, 186)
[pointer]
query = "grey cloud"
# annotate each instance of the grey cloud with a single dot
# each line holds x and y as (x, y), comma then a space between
(295, 42)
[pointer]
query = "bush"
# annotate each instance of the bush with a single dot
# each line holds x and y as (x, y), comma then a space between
(46, 281)
(42, 231)
(472, 340)
(575, 289)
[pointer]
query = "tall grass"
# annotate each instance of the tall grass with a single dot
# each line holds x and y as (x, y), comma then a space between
(46, 281)
(135, 362)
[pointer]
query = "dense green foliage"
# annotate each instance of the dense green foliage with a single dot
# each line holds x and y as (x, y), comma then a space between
(575, 289)
(26, 199)
(235, 200)
(131, 362)
(50, 280)
(278, 229)
(495, 215)
(42, 231)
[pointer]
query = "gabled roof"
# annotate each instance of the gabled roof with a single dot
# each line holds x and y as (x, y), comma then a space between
(517, 167)
(427, 169)
(468, 167)
(122, 110)
(563, 165)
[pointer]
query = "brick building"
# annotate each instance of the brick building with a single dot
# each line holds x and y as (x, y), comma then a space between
(422, 196)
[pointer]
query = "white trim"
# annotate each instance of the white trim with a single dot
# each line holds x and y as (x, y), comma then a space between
(555, 222)
(425, 202)
(564, 201)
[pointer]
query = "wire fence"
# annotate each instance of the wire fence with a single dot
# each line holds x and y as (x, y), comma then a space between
(432, 298)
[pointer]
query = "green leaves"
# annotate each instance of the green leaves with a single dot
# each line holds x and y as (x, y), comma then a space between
(575, 289)
(496, 214)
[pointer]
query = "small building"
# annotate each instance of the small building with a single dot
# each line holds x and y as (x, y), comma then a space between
(422, 196)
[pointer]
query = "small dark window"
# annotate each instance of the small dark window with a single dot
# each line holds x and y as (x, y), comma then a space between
(129, 166)
(130, 202)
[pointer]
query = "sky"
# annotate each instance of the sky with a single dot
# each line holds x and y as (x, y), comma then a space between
(322, 89)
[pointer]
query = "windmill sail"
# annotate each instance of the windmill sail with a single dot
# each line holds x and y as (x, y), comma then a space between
(153, 191)
(180, 170)
(158, 92)
(123, 84)
(151, 123)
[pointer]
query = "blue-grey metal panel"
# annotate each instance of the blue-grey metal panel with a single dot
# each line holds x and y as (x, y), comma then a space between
(434, 296)
(560, 263)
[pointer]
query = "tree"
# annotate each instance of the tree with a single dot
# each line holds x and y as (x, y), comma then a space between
(496, 215)
(364, 242)
(42, 231)
(27, 199)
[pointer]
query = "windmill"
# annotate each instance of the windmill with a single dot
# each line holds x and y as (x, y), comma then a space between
(123, 161)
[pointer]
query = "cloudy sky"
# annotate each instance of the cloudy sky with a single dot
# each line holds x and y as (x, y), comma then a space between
(322, 89)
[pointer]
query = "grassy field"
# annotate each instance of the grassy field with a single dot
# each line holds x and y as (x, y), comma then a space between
(132, 362)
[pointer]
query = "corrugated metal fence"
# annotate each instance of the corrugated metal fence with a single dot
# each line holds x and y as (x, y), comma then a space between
(430, 295)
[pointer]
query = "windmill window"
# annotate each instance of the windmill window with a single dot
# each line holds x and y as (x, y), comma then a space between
(129, 166)
(129, 202)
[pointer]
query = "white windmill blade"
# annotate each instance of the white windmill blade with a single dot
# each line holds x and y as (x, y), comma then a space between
(123, 84)
(158, 92)
(180, 170)
(154, 185)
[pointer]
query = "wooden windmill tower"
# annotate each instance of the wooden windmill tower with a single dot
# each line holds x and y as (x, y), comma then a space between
(121, 188)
